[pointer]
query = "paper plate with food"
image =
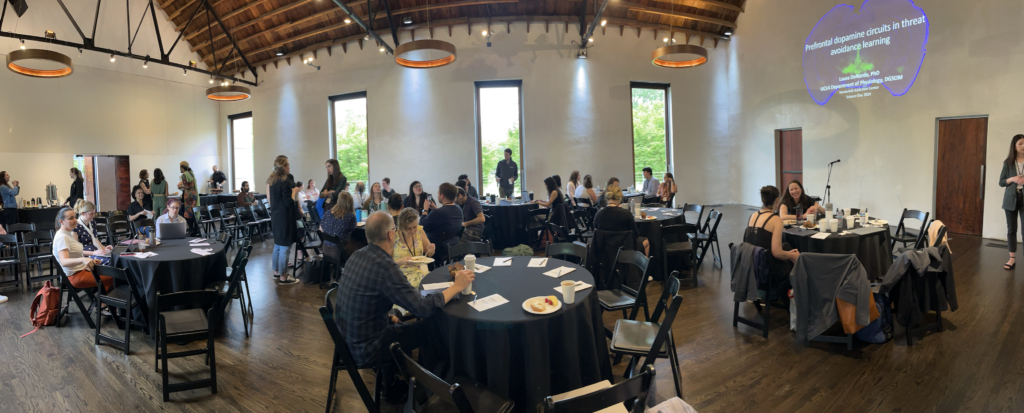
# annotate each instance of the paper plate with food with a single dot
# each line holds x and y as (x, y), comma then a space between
(789, 222)
(421, 260)
(542, 305)
(809, 225)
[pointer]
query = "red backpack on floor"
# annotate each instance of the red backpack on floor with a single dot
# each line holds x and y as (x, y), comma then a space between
(45, 307)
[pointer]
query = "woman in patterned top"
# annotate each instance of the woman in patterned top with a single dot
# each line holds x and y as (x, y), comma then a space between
(339, 222)
(189, 193)
(412, 242)
(86, 233)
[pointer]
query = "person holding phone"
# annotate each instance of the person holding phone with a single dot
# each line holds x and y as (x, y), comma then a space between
(507, 172)
(1012, 178)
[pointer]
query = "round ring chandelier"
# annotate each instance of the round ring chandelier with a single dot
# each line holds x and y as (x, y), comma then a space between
(15, 63)
(428, 45)
(666, 56)
(228, 93)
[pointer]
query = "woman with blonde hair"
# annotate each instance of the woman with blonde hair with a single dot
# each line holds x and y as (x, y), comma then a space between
(412, 242)
(375, 201)
(86, 233)
(283, 215)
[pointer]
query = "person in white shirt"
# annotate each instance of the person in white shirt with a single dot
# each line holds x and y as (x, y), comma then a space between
(70, 253)
(359, 197)
(171, 217)
(650, 188)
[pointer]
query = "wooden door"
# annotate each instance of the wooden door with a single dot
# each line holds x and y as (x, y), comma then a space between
(960, 181)
(791, 157)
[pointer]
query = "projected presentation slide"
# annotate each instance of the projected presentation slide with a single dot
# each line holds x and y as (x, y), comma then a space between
(857, 53)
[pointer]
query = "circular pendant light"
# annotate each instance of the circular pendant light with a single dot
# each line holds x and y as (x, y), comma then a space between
(679, 56)
(426, 45)
(16, 63)
(228, 93)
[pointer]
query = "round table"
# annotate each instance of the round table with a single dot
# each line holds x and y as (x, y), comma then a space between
(651, 228)
(508, 223)
(518, 355)
(174, 268)
(872, 245)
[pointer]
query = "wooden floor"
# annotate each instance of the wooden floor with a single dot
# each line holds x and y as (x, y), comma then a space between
(976, 365)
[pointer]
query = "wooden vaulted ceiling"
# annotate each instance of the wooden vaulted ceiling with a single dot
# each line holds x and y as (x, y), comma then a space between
(264, 28)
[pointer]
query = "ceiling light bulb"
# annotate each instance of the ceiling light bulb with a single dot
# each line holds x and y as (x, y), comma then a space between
(211, 80)
(145, 65)
(483, 33)
(184, 72)
(311, 58)
(728, 32)
(382, 50)
(604, 22)
(347, 21)
(367, 37)
(112, 59)
(22, 44)
(590, 39)
(279, 54)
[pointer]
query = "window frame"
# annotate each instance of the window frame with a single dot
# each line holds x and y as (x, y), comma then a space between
(333, 127)
(668, 123)
(231, 145)
(482, 84)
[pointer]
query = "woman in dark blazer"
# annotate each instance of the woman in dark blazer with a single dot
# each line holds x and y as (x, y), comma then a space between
(77, 188)
(1012, 178)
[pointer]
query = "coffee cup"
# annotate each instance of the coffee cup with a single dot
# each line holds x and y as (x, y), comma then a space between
(142, 246)
(850, 222)
(834, 225)
(846, 212)
(823, 225)
(471, 266)
(569, 291)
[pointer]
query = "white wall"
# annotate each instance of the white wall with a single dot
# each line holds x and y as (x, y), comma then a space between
(422, 125)
(156, 116)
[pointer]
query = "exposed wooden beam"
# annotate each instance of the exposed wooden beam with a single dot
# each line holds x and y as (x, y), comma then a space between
(270, 32)
(232, 13)
(666, 12)
(260, 19)
(180, 10)
(714, 3)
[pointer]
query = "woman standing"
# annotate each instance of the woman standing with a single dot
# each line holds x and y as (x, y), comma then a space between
(9, 193)
(86, 233)
(336, 182)
(283, 215)
(147, 198)
(411, 242)
(189, 194)
(1012, 178)
(159, 191)
(77, 188)
(375, 202)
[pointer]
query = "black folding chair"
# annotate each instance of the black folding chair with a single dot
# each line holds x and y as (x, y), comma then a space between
(466, 395)
(245, 220)
(40, 244)
(118, 231)
(184, 326)
(563, 250)
(902, 235)
(10, 259)
(684, 248)
(626, 297)
(707, 238)
(72, 291)
(536, 223)
(235, 276)
(698, 209)
(333, 265)
(599, 396)
(652, 339)
(342, 359)
(124, 297)
(769, 291)
(480, 249)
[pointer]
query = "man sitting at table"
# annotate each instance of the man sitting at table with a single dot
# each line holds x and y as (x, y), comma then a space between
(604, 202)
(468, 186)
(616, 219)
(650, 187)
(370, 285)
(472, 216)
(245, 198)
(446, 219)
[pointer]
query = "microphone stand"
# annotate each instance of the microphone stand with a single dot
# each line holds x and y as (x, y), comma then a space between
(828, 187)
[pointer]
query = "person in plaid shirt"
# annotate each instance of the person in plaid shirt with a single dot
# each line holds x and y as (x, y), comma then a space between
(370, 285)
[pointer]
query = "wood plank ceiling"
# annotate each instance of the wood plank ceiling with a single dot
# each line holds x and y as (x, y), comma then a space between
(293, 28)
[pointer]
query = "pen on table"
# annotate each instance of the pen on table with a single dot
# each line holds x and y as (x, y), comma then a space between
(559, 273)
(475, 296)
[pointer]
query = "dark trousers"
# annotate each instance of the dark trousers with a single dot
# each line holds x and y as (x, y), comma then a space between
(9, 216)
(1011, 222)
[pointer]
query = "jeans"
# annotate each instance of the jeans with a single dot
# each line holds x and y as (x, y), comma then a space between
(280, 259)
(1011, 222)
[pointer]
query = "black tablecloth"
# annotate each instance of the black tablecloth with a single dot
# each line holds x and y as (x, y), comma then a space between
(872, 249)
(651, 228)
(174, 268)
(42, 217)
(518, 355)
(508, 224)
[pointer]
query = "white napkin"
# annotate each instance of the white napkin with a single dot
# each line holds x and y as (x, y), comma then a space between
(480, 268)
(502, 261)
(438, 286)
(200, 244)
(560, 271)
(821, 235)
(580, 286)
(487, 303)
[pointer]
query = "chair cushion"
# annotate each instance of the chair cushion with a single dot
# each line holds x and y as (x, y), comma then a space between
(185, 321)
(636, 336)
(615, 299)
(682, 246)
(601, 385)
(479, 397)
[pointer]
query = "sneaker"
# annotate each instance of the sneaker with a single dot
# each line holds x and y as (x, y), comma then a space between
(287, 281)
(3, 299)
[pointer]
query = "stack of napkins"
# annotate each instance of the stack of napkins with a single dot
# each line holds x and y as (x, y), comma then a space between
(487, 303)
(580, 285)
(202, 251)
(144, 254)
(560, 271)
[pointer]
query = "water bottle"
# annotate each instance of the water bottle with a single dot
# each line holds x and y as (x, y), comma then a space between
(359, 214)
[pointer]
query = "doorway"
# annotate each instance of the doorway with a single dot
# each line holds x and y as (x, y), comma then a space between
(108, 180)
(790, 161)
(960, 174)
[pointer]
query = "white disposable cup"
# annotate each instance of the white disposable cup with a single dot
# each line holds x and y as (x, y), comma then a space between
(823, 225)
(846, 212)
(812, 217)
(142, 246)
(850, 222)
(569, 292)
(471, 266)
(834, 224)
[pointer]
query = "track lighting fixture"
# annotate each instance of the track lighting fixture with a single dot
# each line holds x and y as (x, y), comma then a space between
(604, 22)
(211, 80)
(184, 72)
(22, 44)
(145, 64)
(348, 20)
(112, 58)
(728, 32)
(407, 20)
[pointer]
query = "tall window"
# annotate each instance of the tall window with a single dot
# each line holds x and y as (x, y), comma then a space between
(241, 150)
(499, 116)
(348, 115)
(650, 130)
